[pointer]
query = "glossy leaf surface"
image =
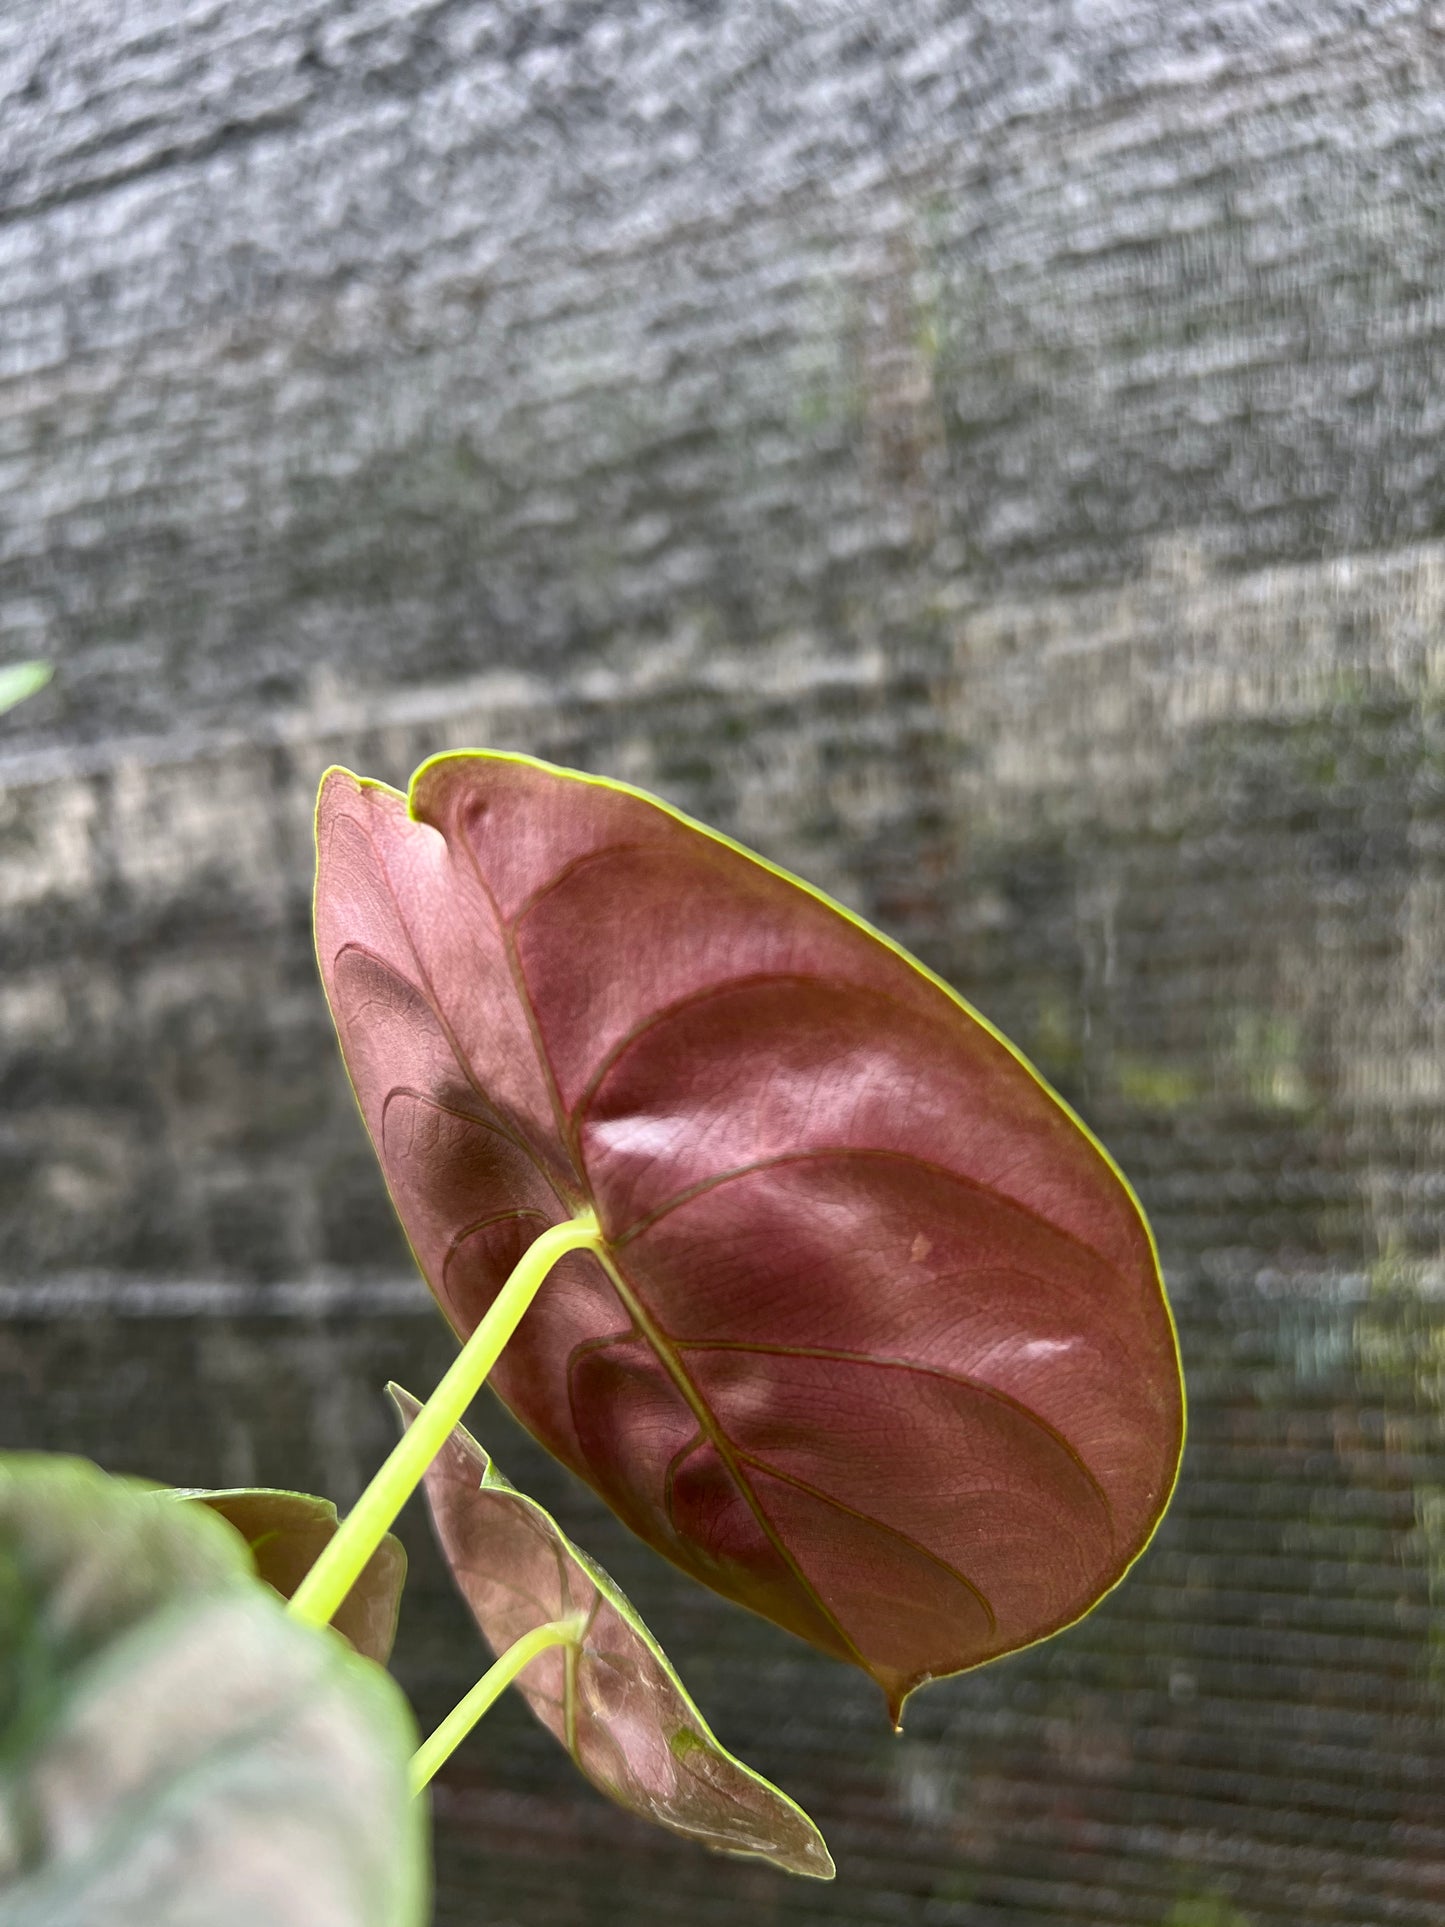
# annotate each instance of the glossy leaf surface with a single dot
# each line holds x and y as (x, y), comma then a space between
(173, 1748)
(287, 1532)
(613, 1700)
(878, 1344)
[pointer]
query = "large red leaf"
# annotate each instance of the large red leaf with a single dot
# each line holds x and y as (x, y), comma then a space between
(879, 1345)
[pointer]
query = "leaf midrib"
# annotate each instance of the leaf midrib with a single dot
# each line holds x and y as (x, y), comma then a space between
(569, 1126)
(671, 1364)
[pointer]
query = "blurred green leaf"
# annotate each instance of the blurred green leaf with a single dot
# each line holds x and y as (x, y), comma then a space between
(21, 679)
(174, 1750)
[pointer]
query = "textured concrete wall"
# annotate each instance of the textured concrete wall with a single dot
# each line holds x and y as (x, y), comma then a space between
(346, 345)
(985, 458)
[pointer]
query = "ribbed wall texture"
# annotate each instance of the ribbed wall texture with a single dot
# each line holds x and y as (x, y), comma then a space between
(986, 457)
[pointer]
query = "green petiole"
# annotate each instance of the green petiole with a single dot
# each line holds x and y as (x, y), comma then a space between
(440, 1746)
(364, 1527)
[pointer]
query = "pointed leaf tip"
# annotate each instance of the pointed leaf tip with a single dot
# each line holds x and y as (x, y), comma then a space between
(877, 1342)
(614, 1702)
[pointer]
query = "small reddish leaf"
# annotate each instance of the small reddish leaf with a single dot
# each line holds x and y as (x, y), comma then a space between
(613, 1700)
(878, 1343)
(287, 1533)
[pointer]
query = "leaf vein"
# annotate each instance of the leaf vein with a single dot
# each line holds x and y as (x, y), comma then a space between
(867, 1519)
(529, 903)
(460, 1237)
(691, 1001)
(722, 1445)
(962, 1379)
(843, 1151)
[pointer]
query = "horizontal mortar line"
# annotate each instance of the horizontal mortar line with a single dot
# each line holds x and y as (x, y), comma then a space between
(481, 698)
(88, 1295)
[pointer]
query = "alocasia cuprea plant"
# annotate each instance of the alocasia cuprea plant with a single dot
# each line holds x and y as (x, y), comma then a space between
(760, 1229)
(844, 1312)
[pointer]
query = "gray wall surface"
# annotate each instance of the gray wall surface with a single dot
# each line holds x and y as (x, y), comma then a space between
(986, 457)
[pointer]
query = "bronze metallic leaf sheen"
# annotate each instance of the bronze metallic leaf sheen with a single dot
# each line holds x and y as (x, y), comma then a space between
(878, 1345)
